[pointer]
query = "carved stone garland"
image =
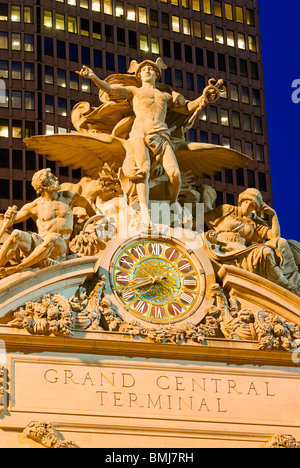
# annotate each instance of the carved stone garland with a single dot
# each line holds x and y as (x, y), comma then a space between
(45, 434)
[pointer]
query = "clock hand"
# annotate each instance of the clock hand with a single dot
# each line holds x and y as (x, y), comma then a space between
(139, 284)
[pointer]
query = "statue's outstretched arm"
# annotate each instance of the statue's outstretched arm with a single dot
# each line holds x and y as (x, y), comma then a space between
(86, 72)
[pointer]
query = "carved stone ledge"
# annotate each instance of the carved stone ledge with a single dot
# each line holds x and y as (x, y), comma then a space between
(45, 434)
(2, 389)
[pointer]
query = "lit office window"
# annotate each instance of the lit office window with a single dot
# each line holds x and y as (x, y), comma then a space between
(197, 29)
(234, 92)
(86, 85)
(241, 41)
(207, 7)
(236, 121)
(175, 2)
(203, 115)
(228, 11)
(62, 107)
(260, 154)
(49, 75)
(96, 6)
(250, 18)
(62, 130)
(50, 129)
(74, 81)
(61, 78)
(155, 45)
(29, 101)
(107, 7)
(252, 43)
(3, 12)
(84, 4)
(29, 71)
(247, 123)
(48, 21)
(72, 2)
(142, 15)
(196, 5)
(119, 9)
(60, 22)
(16, 41)
(219, 36)
(131, 15)
(224, 118)
(208, 32)
(239, 14)
(28, 43)
(72, 24)
(16, 130)
(218, 9)
(4, 129)
(3, 40)
(249, 149)
(4, 101)
(186, 26)
(230, 38)
(28, 14)
(16, 70)
(258, 125)
(144, 42)
(84, 27)
(15, 13)
(185, 3)
(175, 24)
(4, 69)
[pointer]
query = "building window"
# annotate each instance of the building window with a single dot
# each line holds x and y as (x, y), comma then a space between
(120, 9)
(207, 7)
(245, 95)
(48, 46)
(49, 104)
(166, 48)
(189, 81)
(210, 59)
(234, 92)
(260, 154)
(4, 99)
(29, 71)
(177, 50)
(196, 5)
(155, 45)
(62, 107)
(251, 178)
(241, 41)
(15, 13)
(186, 25)
(97, 58)
(4, 158)
(16, 99)
(121, 36)
(3, 69)
(16, 129)
(239, 14)
(219, 36)
(197, 29)
(228, 11)
(153, 18)
(122, 64)
(110, 61)
(178, 79)
(143, 16)
(86, 85)
(3, 40)
(29, 101)
(84, 27)
(188, 53)
(224, 117)
(175, 24)
(49, 75)
(60, 21)
(107, 7)
(85, 55)
(236, 122)
(131, 15)
(48, 20)
(262, 182)
(258, 125)
(3, 12)
(144, 42)
(243, 67)
(4, 129)
(254, 70)
(256, 97)
(72, 24)
(16, 70)
(208, 32)
(247, 123)
(16, 41)
(84, 4)
(132, 39)
(218, 9)
(74, 81)
(250, 18)
(61, 78)
(96, 5)
(230, 38)
(28, 42)
(249, 149)
(28, 15)
(237, 145)
(109, 33)
(213, 114)
(252, 43)
(4, 188)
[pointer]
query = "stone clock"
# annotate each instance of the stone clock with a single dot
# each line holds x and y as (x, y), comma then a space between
(157, 280)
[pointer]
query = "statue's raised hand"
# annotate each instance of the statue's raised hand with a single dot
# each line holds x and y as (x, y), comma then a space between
(86, 72)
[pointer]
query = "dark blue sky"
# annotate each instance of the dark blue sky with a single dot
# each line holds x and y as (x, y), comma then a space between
(280, 35)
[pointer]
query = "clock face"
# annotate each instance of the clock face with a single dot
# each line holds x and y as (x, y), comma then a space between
(157, 280)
